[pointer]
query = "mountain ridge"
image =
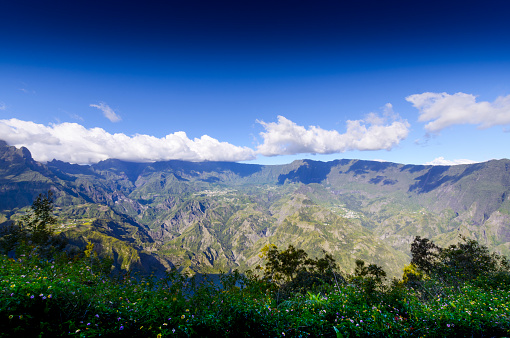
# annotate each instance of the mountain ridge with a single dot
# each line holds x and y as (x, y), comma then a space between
(211, 216)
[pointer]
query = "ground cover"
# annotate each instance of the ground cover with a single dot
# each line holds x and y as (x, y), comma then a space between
(72, 297)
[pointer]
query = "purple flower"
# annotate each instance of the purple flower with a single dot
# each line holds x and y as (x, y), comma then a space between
(121, 327)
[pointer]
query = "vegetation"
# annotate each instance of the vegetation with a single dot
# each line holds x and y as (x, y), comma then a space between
(35, 228)
(461, 290)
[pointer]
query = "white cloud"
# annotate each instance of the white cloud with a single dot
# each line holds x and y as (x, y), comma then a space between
(107, 111)
(444, 110)
(287, 138)
(442, 161)
(74, 143)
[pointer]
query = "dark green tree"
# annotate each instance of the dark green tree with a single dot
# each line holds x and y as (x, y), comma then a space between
(39, 221)
(468, 260)
(291, 270)
(464, 261)
(368, 277)
(33, 228)
(424, 254)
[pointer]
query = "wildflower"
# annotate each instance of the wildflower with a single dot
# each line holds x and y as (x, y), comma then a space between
(183, 316)
(49, 296)
(10, 317)
(97, 316)
(173, 330)
(121, 327)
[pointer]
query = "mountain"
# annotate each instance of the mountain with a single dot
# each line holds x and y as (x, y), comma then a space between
(211, 216)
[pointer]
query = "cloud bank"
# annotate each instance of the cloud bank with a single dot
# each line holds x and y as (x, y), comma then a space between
(107, 111)
(444, 110)
(373, 133)
(442, 161)
(74, 143)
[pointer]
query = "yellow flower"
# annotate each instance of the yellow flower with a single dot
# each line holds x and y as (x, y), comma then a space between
(183, 316)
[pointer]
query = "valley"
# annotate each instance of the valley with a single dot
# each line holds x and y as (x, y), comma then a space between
(216, 216)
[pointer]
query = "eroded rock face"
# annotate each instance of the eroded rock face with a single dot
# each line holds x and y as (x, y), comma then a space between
(218, 215)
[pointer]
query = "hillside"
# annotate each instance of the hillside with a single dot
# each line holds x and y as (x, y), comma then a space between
(218, 215)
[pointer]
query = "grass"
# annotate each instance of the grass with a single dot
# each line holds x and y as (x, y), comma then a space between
(71, 297)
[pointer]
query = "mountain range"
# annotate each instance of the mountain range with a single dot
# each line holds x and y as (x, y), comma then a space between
(216, 216)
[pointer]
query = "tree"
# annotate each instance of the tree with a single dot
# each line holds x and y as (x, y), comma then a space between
(292, 269)
(424, 254)
(464, 261)
(39, 220)
(369, 278)
(35, 227)
(468, 260)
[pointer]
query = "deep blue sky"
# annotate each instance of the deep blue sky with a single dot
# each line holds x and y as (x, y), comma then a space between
(230, 69)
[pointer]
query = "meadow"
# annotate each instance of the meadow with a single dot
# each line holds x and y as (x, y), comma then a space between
(73, 297)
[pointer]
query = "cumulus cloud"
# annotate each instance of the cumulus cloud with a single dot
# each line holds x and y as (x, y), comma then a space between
(444, 110)
(107, 111)
(374, 133)
(442, 161)
(74, 143)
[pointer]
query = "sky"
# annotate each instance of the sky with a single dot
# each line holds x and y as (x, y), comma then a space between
(423, 82)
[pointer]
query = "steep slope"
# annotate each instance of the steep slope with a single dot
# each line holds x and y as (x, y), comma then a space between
(218, 215)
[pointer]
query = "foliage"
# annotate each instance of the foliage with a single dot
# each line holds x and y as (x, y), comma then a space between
(65, 297)
(424, 254)
(77, 296)
(464, 261)
(35, 228)
(291, 270)
(368, 278)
